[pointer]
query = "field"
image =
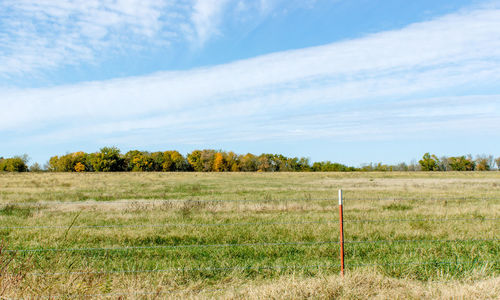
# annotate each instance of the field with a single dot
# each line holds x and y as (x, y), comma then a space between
(249, 235)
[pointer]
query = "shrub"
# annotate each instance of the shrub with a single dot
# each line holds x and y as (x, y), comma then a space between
(14, 164)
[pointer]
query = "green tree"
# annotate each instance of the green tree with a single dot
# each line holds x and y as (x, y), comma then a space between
(70, 161)
(158, 158)
(179, 162)
(139, 161)
(429, 162)
(304, 165)
(107, 160)
(461, 163)
(14, 164)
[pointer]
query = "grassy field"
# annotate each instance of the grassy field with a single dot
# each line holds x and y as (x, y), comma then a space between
(253, 235)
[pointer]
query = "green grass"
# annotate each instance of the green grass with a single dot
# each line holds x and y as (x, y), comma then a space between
(184, 208)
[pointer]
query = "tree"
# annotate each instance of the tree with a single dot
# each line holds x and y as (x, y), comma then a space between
(207, 160)
(107, 160)
(138, 161)
(14, 164)
(233, 161)
(483, 163)
(219, 163)
(194, 159)
(414, 166)
(167, 164)
(179, 162)
(248, 163)
(264, 163)
(35, 167)
(444, 164)
(401, 167)
(304, 164)
(52, 164)
(497, 161)
(79, 167)
(158, 159)
(429, 163)
(461, 163)
(280, 163)
(67, 162)
(382, 168)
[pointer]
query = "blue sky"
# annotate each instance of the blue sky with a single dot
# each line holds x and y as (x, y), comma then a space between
(350, 81)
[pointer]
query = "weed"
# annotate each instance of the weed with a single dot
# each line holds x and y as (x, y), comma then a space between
(14, 210)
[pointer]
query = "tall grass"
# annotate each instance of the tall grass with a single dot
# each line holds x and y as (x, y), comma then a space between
(262, 230)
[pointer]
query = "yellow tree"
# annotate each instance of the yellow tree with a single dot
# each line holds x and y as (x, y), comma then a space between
(167, 161)
(232, 162)
(219, 163)
(79, 167)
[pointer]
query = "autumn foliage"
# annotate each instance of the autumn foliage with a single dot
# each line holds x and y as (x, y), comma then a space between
(110, 159)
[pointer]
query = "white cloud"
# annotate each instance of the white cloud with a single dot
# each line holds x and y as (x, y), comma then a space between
(388, 84)
(44, 34)
(40, 35)
(206, 17)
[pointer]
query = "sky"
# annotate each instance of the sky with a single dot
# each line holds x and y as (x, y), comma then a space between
(351, 81)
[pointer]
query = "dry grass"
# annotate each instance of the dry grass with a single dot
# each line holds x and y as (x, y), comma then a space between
(362, 284)
(366, 285)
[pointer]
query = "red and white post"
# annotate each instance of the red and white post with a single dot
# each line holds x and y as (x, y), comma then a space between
(341, 221)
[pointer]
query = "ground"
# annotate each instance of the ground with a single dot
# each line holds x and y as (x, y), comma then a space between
(250, 235)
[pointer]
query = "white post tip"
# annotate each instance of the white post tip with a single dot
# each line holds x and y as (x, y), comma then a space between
(340, 197)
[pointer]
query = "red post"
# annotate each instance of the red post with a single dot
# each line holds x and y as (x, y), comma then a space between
(341, 220)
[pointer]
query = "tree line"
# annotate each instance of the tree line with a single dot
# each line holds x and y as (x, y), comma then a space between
(458, 163)
(110, 159)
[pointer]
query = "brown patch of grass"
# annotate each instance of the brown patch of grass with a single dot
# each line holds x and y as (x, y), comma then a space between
(366, 285)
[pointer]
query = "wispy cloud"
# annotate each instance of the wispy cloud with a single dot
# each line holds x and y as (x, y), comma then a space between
(40, 35)
(43, 34)
(206, 17)
(434, 77)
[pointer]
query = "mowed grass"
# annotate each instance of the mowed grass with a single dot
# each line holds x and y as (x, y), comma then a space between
(249, 235)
